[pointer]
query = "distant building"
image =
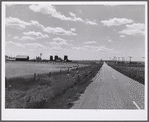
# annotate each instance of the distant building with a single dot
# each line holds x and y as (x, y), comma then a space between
(56, 58)
(8, 58)
(65, 58)
(22, 58)
(51, 58)
(38, 58)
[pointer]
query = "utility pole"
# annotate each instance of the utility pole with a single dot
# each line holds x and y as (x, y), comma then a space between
(123, 59)
(115, 58)
(118, 58)
(130, 58)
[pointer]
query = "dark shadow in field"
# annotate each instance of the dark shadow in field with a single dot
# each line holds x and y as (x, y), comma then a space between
(24, 84)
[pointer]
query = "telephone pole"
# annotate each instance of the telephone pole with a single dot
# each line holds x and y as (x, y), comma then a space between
(123, 59)
(130, 58)
(118, 58)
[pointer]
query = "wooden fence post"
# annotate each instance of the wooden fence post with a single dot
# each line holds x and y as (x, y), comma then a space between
(78, 78)
(68, 72)
(34, 76)
(38, 77)
(49, 74)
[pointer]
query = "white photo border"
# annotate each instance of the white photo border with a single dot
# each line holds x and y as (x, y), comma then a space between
(77, 114)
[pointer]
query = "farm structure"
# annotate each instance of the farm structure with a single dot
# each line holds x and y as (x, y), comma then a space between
(51, 58)
(8, 58)
(22, 58)
(65, 58)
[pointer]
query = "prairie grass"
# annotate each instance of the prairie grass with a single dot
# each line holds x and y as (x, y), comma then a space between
(133, 71)
(35, 92)
(22, 69)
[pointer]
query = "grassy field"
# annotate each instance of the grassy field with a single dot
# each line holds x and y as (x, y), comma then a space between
(19, 68)
(43, 91)
(134, 71)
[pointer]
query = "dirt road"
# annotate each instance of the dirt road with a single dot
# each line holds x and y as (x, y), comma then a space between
(111, 90)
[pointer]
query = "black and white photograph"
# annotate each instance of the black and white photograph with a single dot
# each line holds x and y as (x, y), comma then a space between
(74, 60)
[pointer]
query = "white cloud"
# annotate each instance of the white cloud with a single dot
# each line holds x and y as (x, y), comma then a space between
(59, 44)
(77, 19)
(19, 24)
(48, 9)
(15, 37)
(51, 10)
(19, 45)
(38, 35)
(54, 43)
(16, 44)
(116, 22)
(122, 36)
(109, 40)
(135, 28)
(35, 45)
(72, 29)
(59, 41)
(72, 14)
(27, 38)
(58, 31)
(37, 24)
(15, 22)
(90, 42)
(43, 8)
(90, 22)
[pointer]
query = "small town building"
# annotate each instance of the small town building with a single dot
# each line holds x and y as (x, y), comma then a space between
(9, 58)
(38, 58)
(22, 58)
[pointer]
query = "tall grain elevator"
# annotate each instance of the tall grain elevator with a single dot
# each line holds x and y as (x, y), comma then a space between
(65, 58)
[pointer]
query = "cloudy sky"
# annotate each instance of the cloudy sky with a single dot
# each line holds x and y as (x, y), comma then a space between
(79, 31)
